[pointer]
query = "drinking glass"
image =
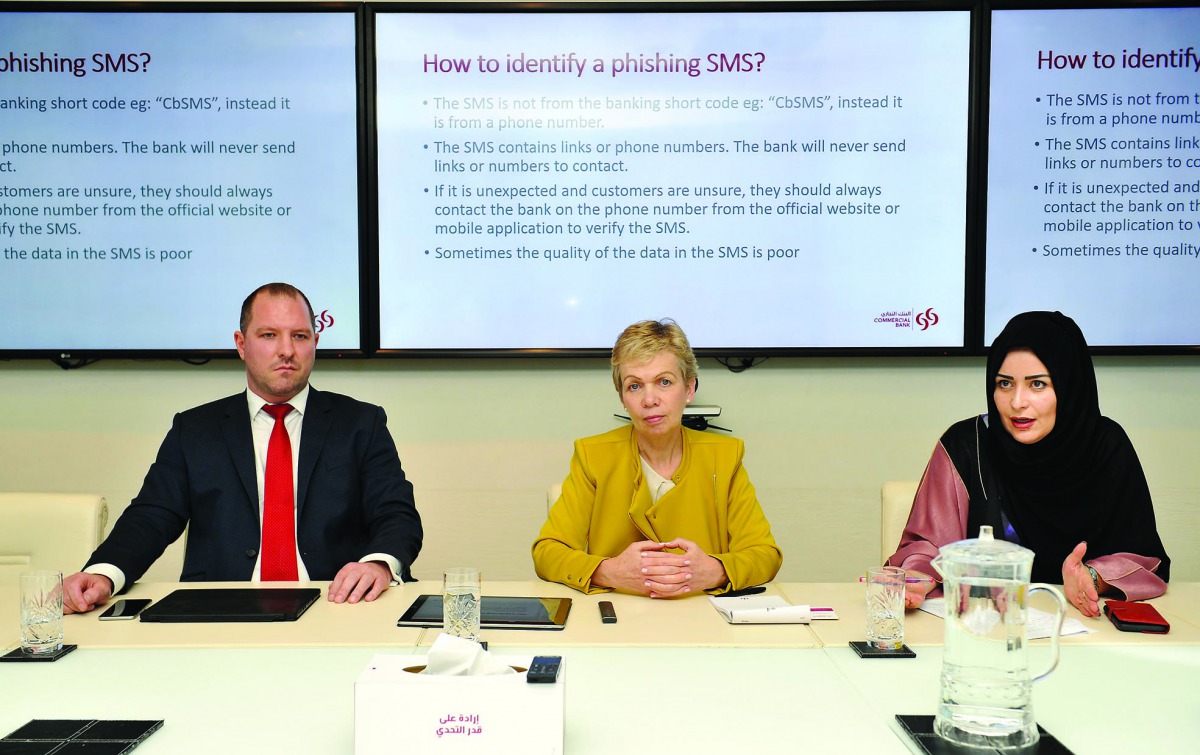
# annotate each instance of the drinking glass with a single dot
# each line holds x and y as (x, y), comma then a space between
(885, 607)
(461, 594)
(41, 612)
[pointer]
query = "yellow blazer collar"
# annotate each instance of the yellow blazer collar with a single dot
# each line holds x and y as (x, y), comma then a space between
(641, 507)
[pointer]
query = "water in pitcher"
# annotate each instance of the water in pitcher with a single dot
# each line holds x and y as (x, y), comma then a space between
(986, 695)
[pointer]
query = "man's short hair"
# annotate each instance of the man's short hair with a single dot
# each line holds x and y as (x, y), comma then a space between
(275, 289)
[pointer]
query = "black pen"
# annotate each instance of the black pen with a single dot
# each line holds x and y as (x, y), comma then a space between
(744, 591)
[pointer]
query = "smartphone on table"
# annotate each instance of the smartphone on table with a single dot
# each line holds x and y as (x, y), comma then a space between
(1135, 617)
(126, 608)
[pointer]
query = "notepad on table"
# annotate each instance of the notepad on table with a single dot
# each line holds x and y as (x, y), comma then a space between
(767, 609)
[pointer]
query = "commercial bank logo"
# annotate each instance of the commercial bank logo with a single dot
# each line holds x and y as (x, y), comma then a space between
(324, 321)
(921, 321)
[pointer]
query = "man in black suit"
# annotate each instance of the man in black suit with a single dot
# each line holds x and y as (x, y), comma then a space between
(355, 521)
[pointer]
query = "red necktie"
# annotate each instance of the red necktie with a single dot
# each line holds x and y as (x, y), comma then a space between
(279, 504)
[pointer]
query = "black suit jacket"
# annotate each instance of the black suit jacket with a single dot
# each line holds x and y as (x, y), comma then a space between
(352, 497)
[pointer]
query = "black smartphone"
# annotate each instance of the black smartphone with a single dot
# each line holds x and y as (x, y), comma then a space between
(125, 609)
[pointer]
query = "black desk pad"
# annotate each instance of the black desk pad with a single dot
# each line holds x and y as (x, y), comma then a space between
(232, 604)
(77, 737)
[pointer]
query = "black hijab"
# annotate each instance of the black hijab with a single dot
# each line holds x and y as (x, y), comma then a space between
(1083, 481)
(1068, 457)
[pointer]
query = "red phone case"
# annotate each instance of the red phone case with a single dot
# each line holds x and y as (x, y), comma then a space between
(1136, 617)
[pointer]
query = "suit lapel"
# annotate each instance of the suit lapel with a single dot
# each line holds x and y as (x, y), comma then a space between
(640, 503)
(235, 426)
(312, 439)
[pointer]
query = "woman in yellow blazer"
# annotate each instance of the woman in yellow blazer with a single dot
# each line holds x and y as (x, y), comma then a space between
(655, 508)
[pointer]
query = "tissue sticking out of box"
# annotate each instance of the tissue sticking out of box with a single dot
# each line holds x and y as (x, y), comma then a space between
(454, 656)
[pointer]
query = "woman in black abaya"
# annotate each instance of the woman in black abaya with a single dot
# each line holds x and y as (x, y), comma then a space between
(1046, 470)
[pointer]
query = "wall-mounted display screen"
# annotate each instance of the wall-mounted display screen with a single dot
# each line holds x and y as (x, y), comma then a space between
(509, 178)
(157, 167)
(770, 180)
(1093, 179)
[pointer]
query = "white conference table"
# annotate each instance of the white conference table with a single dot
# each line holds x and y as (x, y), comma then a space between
(691, 622)
(1181, 600)
(300, 701)
(701, 700)
(1106, 699)
(668, 674)
(1180, 606)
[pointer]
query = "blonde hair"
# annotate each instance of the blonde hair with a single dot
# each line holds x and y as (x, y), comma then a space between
(642, 341)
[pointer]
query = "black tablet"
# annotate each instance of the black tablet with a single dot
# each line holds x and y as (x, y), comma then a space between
(191, 604)
(494, 612)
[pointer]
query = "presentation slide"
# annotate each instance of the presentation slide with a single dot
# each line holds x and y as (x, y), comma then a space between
(155, 168)
(769, 180)
(1094, 172)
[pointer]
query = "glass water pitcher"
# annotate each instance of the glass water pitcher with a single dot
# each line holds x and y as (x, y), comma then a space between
(986, 687)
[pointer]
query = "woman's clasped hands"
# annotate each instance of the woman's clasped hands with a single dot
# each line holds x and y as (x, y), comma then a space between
(650, 568)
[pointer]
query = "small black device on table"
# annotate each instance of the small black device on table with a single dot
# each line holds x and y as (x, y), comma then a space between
(544, 669)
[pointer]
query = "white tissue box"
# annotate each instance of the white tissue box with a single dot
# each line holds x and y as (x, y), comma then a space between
(397, 710)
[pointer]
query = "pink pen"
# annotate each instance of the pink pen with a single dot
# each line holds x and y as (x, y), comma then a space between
(907, 580)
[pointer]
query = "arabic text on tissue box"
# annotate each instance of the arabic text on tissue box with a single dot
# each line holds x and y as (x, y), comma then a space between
(398, 709)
